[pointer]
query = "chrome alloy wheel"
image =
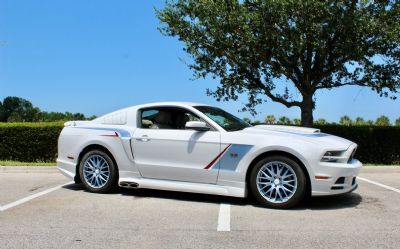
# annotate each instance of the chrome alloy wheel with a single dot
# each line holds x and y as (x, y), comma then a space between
(96, 171)
(276, 182)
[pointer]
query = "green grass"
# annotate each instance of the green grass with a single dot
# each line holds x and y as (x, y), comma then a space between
(32, 124)
(16, 163)
(379, 164)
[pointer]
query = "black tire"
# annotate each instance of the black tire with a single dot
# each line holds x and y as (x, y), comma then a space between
(299, 193)
(112, 179)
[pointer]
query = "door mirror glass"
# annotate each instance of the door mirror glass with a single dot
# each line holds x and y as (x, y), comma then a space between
(197, 125)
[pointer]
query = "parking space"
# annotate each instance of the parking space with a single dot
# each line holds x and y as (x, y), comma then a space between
(70, 217)
(19, 183)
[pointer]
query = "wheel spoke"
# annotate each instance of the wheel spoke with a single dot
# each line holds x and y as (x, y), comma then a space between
(278, 169)
(287, 176)
(102, 178)
(271, 172)
(287, 184)
(286, 189)
(266, 175)
(270, 190)
(285, 173)
(279, 193)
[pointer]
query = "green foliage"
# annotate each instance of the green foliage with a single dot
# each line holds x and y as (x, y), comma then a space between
(15, 109)
(397, 122)
(250, 46)
(18, 109)
(29, 142)
(346, 120)
(376, 144)
(270, 119)
(296, 121)
(247, 120)
(284, 121)
(382, 121)
(360, 121)
(320, 121)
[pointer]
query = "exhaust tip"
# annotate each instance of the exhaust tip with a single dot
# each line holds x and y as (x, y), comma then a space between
(128, 184)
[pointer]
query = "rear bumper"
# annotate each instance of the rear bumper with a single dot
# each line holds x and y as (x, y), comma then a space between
(66, 168)
(341, 178)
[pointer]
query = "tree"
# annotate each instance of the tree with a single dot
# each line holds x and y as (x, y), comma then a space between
(320, 121)
(259, 47)
(360, 121)
(346, 120)
(397, 122)
(382, 121)
(17, 107)
(247, 120)
(370, 122)
(296, 121)
(284, 121)
(2, 118)
(270, 119)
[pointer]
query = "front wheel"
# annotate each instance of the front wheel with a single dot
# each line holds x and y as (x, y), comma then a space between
(98, 172)
(278, 182)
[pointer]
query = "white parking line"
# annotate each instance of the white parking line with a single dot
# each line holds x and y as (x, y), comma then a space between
(224, 218)
(31, 197)
(379, 184)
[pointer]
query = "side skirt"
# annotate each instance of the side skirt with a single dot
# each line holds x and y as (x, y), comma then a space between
(201, 188)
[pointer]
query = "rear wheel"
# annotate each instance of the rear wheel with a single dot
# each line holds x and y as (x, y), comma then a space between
(98, 171)
(278, 182)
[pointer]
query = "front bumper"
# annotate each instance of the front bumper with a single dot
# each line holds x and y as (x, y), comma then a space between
(340, 178)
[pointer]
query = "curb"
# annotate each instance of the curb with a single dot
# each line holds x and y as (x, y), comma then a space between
(28, 169)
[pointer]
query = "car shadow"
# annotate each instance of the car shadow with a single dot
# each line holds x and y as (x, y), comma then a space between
(343, 201)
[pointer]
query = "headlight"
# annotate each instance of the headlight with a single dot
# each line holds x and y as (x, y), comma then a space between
(334, 157)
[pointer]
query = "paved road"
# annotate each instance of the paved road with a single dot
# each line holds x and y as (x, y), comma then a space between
(70, 217)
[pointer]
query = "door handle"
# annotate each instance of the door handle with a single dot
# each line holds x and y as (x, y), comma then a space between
(144, 138)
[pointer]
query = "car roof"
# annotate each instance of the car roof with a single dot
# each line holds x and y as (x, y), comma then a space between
(170, 104)
(154, 104)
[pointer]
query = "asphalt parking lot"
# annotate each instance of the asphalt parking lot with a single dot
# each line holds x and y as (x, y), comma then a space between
(40, 209)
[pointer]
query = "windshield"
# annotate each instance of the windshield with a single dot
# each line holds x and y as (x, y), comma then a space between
(223, 118)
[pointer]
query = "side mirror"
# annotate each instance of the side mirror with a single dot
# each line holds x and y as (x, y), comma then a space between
(197, 126)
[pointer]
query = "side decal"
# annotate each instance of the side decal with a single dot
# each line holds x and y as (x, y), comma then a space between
(230, 157)
(215, 160)
(122, 133)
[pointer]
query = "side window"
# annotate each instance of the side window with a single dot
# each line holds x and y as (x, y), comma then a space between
(166, 118)
(148, 117)
(183, 116)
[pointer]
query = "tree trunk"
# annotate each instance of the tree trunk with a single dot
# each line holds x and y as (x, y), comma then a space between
(307, 107)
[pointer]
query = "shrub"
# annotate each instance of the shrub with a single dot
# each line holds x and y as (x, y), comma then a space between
(376, 144)
(29, 142)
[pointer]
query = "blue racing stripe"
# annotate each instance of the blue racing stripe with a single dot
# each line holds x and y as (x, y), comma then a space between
(230, 160)
(122, 133)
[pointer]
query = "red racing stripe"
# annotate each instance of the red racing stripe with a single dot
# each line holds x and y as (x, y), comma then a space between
(216, 158)
(113, 135)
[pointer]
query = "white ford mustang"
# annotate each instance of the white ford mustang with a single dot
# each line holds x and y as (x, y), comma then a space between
(199, 148)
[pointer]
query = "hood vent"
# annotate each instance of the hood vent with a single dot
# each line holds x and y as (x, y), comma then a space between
(283, 128)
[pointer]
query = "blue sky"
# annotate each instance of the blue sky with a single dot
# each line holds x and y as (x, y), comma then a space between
(97, 56)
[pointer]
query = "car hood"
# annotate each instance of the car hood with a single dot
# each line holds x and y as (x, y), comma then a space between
(300, 133)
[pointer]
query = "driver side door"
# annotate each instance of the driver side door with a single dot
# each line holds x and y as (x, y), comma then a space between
(168, 151)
